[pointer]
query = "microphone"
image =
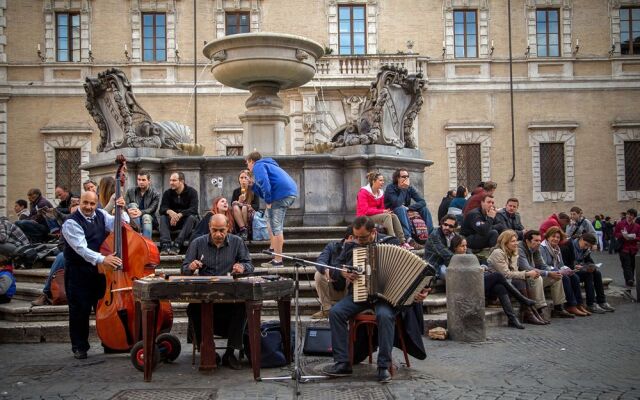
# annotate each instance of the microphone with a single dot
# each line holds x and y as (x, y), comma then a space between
(358, 270)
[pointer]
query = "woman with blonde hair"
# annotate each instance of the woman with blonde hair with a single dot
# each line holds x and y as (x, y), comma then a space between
(504, 259)
(370, 202)
(244, 204)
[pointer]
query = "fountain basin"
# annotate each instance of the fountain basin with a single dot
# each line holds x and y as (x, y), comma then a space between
(245, 60)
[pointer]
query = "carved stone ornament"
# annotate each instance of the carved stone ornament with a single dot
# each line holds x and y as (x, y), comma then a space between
(387, 116)
(124, 123)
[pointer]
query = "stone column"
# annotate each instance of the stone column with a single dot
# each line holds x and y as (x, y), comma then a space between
(465, 299)
(264, 121)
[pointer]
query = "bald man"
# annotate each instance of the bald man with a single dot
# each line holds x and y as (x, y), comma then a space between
(215, 254)
(84, 231)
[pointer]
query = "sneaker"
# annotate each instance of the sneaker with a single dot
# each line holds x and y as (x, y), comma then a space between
(164, 250)
(42, 300)
(174, 250)
(244, 234)
(605, 306)
(338, 369)
(322, 314)
(80, 354)
(272, 264)
(384, 376)
(595, 309)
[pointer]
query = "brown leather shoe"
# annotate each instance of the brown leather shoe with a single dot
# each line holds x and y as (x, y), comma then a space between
(575, 311)
(42, 300)
(540, 314)
(530, 318)
(560, 312)
(582, 308)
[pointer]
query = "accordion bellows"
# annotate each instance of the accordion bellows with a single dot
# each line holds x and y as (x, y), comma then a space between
(390, 273)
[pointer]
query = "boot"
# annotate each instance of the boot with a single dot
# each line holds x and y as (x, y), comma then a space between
(529, 317)
(540, 314)
(522, 299)
(505, 300)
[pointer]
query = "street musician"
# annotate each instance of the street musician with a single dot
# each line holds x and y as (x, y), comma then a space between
(217, 254)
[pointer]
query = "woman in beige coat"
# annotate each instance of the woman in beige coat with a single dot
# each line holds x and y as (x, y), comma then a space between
(504, 259)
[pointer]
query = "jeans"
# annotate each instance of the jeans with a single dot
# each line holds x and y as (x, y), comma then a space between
(441, 272)
(593, 287)
(35, 231)
(572, 291)
(146, 225)
(338, 320)
(628, 263)
(275, 215)
(57, 265)
(403, 215)
(186, 225)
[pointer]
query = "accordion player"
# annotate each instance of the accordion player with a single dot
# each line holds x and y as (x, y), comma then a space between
(391, 273)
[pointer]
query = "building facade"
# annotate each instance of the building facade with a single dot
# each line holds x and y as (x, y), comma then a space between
(573, 83)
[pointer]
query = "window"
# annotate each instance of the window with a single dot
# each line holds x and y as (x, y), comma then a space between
(630, 30)
(469, 165)
(465, 33)
(552, 167)
(67, 37)
(234, 150)
(632, 165)
(548, 32)
(236, 22)
(68, 172)
(352, 31)
(154, 43)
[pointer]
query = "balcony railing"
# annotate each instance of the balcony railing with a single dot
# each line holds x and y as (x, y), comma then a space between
(367, 66)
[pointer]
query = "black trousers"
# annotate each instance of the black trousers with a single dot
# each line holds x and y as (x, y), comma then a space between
(186, 225)
(494, 285)
(593, 287)
(479, 242)
(83, 288)
(628, 263)
(228, 321)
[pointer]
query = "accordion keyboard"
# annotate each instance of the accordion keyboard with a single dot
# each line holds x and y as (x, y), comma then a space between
(360, 291)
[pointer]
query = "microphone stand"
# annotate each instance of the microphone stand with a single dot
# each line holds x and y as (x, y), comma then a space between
(296, 375)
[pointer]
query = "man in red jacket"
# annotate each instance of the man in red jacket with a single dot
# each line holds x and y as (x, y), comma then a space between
(560, 220)
(475, 200)
(628, 233)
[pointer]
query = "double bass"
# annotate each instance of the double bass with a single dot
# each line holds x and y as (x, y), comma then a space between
(118, 318)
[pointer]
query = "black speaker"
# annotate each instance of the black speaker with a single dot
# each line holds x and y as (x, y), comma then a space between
(317, 341)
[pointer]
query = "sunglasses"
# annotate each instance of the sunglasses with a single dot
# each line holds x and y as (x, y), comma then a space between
(449, 225)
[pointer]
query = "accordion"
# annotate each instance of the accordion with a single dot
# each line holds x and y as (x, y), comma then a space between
(390, 273)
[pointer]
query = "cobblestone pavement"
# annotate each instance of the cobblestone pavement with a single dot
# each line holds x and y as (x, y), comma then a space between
(586, 358)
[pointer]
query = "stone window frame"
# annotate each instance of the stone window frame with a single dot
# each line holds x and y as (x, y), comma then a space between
(623, 132)
(4, 133)
(371, 23)
(468, 134)
(614, 16)
(63, 138)
(227, 135)
(565, 8)
(51, 7)
(483, 17)
(253, 7)
(553, 133)
(3, 34)
(168, 7)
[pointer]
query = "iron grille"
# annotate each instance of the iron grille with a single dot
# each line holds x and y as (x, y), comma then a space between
(468, 164)
(632, 165)
(234, 150)
(552, 167)
(68, 169)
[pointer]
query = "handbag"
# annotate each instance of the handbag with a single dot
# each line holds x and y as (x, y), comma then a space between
(259, 227)
(271, 348)
(317, 341)
(419, 229)
(58, 292)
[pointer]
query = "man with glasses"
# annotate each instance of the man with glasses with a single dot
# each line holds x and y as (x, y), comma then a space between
(364, 233)
(436, 250)
(398, 197)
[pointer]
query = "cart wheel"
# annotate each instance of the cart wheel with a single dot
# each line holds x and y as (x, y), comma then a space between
(169, 346)
(137, 356)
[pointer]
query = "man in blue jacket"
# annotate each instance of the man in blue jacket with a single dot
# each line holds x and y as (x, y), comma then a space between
(398, 197)
(272, 184)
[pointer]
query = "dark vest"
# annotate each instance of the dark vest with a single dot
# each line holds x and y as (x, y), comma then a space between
(94, 232)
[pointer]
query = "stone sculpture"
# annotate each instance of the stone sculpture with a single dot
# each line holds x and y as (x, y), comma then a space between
(387, 116)
(124, 123)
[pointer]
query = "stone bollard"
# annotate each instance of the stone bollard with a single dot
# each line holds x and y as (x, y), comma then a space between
(465, 299)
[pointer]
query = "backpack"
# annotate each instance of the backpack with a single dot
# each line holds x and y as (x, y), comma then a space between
(271, 349)
(58, 291)
(259, 227)
(597, 225)
(419, 229)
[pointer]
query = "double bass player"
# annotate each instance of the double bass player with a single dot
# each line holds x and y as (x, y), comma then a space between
(83, 232)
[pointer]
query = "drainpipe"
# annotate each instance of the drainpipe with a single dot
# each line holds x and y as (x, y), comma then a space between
(195, 75)
(513, 127)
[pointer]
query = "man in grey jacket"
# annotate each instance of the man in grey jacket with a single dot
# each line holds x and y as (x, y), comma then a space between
(529, 258)
(509, 218)
(142, 203)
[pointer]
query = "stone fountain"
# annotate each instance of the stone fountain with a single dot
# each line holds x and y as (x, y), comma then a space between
(380, 138)
(264, 64)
